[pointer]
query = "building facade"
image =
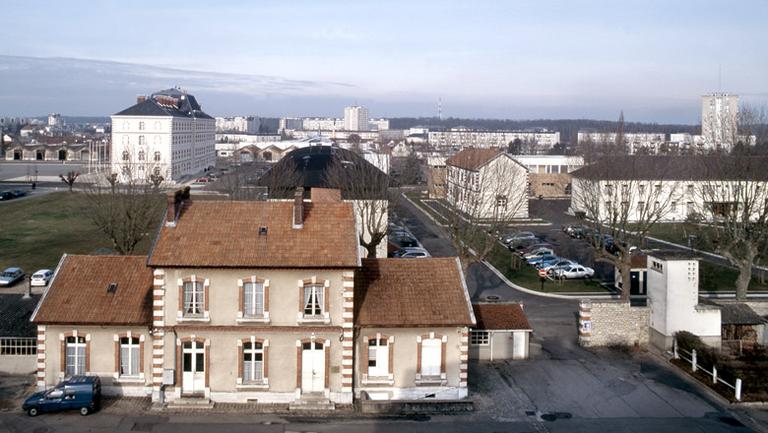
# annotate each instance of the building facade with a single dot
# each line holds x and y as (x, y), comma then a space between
(356, 118)
(550, 175)
(260, 305)
(634, 142)
(529, 141)
(164, 134)
(487, 184)
(242, 124)
(719, 120)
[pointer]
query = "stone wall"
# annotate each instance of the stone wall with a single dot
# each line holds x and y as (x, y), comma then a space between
(549, 184)
(609, 322)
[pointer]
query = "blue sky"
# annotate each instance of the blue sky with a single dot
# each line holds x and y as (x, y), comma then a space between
(517, 59)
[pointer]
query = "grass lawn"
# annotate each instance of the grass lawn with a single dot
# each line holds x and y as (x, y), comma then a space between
(679, 232)
(713, 278)
(36, 231)
(528, 277)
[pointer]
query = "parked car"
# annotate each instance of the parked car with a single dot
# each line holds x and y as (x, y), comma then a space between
(577, 232)
(519, 236)
(82, 393)
(546, 257)
(543, 251)
(545, 263)
(411, 253)
(202, 180)
(557, 264)
(6, 195)
(404, 241)
(18, 193)
(535, 246)
(11, 276)
(41, 277)
(522, 244)
(577, 271)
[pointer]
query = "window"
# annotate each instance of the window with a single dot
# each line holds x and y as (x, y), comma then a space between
(129, 356)
(313, 300)
(142, 140)
(142, 155)
(689, 207)
(501, 201)
(157, 156)
(609, 189)
(479, 338)
(126, 155)
(431, 356)
(640, 207)
(641, 189)
(193, 298)
(253, 299)
(690, 189)
(141, 126)
(378, 357)
(75, 356)
(18, 346)
(253, 362)
(673, 207)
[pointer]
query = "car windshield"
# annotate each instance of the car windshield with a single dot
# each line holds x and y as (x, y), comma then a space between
(6, 274)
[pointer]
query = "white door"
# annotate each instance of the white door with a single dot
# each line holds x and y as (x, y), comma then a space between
(431, 351)
(312, 367)
(193, 367)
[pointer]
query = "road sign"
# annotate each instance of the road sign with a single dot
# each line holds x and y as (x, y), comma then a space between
(542, 273)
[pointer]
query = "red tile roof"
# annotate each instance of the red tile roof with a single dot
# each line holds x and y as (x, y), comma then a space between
(325, 195)
(411, 293)
(472, 158)
(227, 234)
(78, 293)
(501, 316)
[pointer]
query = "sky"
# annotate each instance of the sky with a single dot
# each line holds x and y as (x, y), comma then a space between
(507, 59)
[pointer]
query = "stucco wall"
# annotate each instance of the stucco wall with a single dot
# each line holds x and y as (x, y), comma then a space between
(558, 181)
(18, 364)
(405, 362)
(501, 346)
(613, 322)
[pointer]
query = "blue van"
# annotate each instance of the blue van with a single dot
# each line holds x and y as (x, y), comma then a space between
(78, 392)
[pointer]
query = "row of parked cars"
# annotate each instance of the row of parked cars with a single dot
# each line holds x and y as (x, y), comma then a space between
(10, 195)
(11, 276)
(595, 238)
(541, 255)
(405, 243)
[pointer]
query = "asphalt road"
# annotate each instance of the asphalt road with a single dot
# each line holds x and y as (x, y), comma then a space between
(47, 171)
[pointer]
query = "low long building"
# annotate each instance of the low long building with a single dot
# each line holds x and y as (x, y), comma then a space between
(526, 141)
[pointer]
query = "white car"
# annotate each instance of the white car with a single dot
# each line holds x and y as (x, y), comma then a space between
(412, 253)
(41, 277)
(519, 236)
(576, 271)
(538, 253)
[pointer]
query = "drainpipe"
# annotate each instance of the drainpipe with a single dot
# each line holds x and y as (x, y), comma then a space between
(490, 343)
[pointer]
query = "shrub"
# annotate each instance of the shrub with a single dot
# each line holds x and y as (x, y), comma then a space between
(688, 341)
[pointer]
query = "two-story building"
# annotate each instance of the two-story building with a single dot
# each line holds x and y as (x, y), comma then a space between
(257, 301)
(487, 184)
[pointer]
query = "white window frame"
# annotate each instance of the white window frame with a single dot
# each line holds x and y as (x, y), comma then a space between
(79, 344)
(254, 296)
(253, 352)
(380, 353)
(197, 298)
(134, 350)
(479, 337)
(311, 301)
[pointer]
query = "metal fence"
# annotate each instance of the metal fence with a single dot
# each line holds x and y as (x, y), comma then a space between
(18, 345)
(695, 366)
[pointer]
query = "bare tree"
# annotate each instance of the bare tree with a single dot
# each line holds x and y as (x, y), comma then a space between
(369, 190)
(127, 206)
(484, 198)
(70, 178)
(624, 197)
(735, 206)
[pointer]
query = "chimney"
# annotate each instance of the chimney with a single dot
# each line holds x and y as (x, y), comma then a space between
(140, 99)
(170, 213)
(298, 208)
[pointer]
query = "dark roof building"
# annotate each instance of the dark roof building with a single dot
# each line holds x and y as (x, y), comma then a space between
(15, 312)
(650, 167)
(501, 316)
(169, 102)
(401, 293)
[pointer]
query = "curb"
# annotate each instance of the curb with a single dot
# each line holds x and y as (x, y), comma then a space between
(542, 294)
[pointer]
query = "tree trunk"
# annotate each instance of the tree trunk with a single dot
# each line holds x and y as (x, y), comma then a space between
(371, 250)
(742, 281)
(626, 279)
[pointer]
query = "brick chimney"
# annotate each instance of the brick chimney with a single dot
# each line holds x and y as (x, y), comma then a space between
(170, 213)
(298, 208)
(140, 99)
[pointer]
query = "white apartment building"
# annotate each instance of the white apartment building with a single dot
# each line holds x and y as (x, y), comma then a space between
(55, 120)
(356, 118)
(378, 124)
(670, 188)
(531, 141)
(166, 133)
(719, 117)
(290, 124)
(246, 125)
(322, 124)
(635, 142)
(487, 184)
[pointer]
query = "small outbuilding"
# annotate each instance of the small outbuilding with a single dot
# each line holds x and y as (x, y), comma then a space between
(18, 336)
(502, 332)
(742, 328)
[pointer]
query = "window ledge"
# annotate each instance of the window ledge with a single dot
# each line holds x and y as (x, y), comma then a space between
(313, 320)
(194, 319)
(379, 380)
(250, 386)
(254, 319)
(129, 381)
(440, 380)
